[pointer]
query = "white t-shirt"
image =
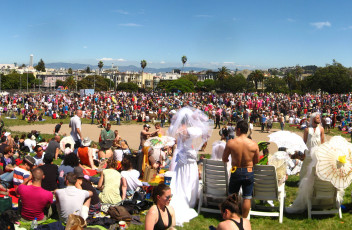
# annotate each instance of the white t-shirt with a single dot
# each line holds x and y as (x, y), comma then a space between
(131, 177)
(328, 120)
(70, 200)
(30, 144)
(75, 123)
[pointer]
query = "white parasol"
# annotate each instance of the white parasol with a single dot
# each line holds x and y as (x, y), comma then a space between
(288, 140)
(334, 162)
(67, 140)
(159, 142)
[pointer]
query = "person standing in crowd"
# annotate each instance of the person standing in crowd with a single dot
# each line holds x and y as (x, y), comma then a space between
(107, 134)
(217, 118)
(54, 147)
(282, 121)
(57, 128)
(244, 154)
(76, 128)
(145, 134)
(313, 136)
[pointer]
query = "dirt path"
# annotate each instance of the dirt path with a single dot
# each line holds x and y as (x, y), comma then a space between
(131, 133)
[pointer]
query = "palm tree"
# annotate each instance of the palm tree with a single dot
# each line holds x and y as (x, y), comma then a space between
(223, 73)
(184, 60)
(100, 65)
(256, 76)
(290, 79)
(143, 65)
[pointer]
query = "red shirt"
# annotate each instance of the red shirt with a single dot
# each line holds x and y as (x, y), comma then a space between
(34, 200)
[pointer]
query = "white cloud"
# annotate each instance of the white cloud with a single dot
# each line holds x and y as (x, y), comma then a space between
(291, 20)
(203, 16)
(162, 62)
(229, 62)
(85, 47)
(130, 25)
(106, 59)
(121, 12)
(112, 59)
(320, 25)
(347, 28)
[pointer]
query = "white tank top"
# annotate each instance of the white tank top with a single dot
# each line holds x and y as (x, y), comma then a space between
(314, 138)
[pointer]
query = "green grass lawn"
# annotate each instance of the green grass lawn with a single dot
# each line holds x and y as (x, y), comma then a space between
(204, 220)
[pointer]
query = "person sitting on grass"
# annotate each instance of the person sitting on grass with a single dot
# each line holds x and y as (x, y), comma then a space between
(22, 173)
(110, 183)
(131, 176)
(51, 173)
(161, 215)
(85, 154)
(34, 199)
(230, 212)
(8, 163)
(72, 200)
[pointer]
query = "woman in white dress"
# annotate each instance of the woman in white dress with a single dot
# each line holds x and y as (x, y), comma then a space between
(188, 126)
(313, 137)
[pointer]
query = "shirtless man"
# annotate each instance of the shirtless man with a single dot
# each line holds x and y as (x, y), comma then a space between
(145, 134)
(244, 153)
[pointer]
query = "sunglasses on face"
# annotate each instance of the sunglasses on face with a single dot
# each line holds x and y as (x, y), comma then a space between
(169, 197)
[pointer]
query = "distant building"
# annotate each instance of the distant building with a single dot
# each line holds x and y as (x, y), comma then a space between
(31, 60)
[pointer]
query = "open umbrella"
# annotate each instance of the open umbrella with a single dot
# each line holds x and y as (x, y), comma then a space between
(288, 140)
(67, 140)
(159, 142)
(334, 159)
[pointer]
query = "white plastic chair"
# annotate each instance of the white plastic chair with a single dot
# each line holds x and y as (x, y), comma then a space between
(325, 199)
(266, 188)
(215, 186)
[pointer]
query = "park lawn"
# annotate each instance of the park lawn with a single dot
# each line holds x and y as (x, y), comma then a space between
(204, 220)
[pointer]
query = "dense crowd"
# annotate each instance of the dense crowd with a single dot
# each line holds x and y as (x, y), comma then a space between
(109, 160)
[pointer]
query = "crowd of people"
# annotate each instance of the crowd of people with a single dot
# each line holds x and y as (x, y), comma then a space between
(121, 168)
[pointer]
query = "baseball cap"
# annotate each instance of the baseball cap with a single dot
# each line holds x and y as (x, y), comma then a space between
(78, 171)
(29, 160)
(146, 125)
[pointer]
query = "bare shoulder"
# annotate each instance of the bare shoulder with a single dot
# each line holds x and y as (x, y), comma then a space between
(171, 210)
(153, 210)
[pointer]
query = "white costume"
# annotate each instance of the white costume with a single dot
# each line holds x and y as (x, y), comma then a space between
(307, 173)
(189, 126)
(314, 139)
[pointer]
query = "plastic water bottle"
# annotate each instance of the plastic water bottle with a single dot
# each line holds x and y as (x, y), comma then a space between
(34, 224)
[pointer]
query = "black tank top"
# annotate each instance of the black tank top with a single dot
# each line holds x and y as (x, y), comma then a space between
(239, 225)
(160, 224)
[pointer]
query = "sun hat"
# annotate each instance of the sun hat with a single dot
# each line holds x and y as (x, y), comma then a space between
(86, 142)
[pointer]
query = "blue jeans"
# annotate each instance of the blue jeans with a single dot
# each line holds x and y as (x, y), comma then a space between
(242, 178)
(6, 178)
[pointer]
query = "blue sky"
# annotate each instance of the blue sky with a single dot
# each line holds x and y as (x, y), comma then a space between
(236, 34)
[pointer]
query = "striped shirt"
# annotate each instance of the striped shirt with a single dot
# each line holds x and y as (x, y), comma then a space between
(19, 174)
